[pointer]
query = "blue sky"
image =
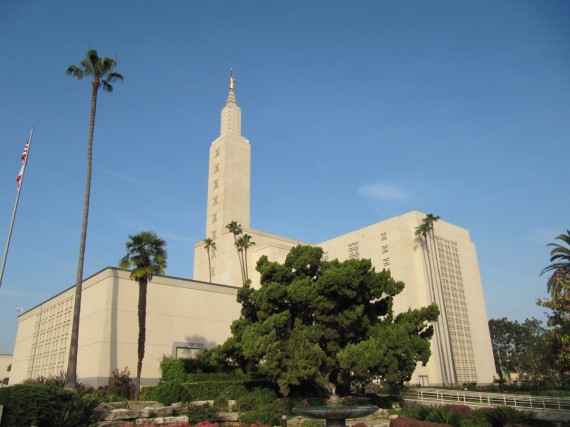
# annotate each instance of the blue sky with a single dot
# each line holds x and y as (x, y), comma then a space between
(357, 111)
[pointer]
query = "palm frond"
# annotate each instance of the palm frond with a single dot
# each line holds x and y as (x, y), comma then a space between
(112, 77)
(560, 259)
(107, 87)
(72, 70)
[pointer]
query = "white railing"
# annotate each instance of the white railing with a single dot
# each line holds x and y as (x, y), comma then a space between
(477, 399)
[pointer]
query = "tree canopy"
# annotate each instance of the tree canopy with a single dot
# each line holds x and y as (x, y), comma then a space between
(323, 324)
(558, 286)
(520, 347)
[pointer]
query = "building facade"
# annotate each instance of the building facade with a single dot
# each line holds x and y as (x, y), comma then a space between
(184, 316)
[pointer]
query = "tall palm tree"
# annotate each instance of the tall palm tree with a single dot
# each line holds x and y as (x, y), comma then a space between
(147, 256)
(424, 231)
(101, 71)
(243, 244)
(209, 245)
(235, 228)
(560, 259)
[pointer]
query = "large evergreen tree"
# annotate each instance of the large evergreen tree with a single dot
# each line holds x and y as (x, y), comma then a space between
(316, 323)
(101, 70)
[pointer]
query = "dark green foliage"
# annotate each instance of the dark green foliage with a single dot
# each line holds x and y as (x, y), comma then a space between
(215, 377)
(261, 406)
(324, 323)
(261, 416)
(221, 403)
(210, 390)
(173, 370)
(169, 392)
(523, 348)
(414, 411)
(44, 406)
(444, 415)
(255, 398)
(74, 413)
(386, 402)
(503, 415)
(201, 413)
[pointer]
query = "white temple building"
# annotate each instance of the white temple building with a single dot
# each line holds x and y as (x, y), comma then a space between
(184, 316)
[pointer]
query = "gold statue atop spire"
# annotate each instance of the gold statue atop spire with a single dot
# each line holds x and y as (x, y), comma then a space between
(232, 79)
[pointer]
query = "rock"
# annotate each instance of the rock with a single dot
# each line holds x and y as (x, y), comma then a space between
(162, 411)
(227, 417)
(142, 404)
(121, 414)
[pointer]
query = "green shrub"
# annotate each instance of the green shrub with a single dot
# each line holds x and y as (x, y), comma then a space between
(221, 403)
(261, 406)
(444, 415)
(264, 415)
(197, 414)
(75, 413)
(414, 411)
(172, 370)
(255, 398)
(387, 402)
(44, 406)
(167, 393)
(503, 415)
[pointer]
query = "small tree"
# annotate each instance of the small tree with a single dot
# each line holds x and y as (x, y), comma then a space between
(235, 228)
(209, 246)
(147, 256)
(243, 243)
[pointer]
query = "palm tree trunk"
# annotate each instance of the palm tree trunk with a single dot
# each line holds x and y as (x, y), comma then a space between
(71, 374)
(209, 266)
(246, 273)
(143, 285)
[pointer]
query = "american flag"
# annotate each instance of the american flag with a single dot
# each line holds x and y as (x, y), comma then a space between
(24, 157)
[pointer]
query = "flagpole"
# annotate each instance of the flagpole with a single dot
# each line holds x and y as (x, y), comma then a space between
(20, 182)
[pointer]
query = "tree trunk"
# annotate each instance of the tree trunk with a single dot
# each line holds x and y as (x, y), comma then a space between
(143, 284)
(71, 374)
(209, 265)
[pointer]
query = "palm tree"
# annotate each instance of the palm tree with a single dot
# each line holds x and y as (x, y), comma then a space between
(147, 256)
(101, 70)
(560, 259)
(426, 231)
(235, 228)
(209, 245)
(243, 244)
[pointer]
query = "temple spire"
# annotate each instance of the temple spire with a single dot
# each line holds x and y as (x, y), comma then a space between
(231, 95)
(231, 113)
